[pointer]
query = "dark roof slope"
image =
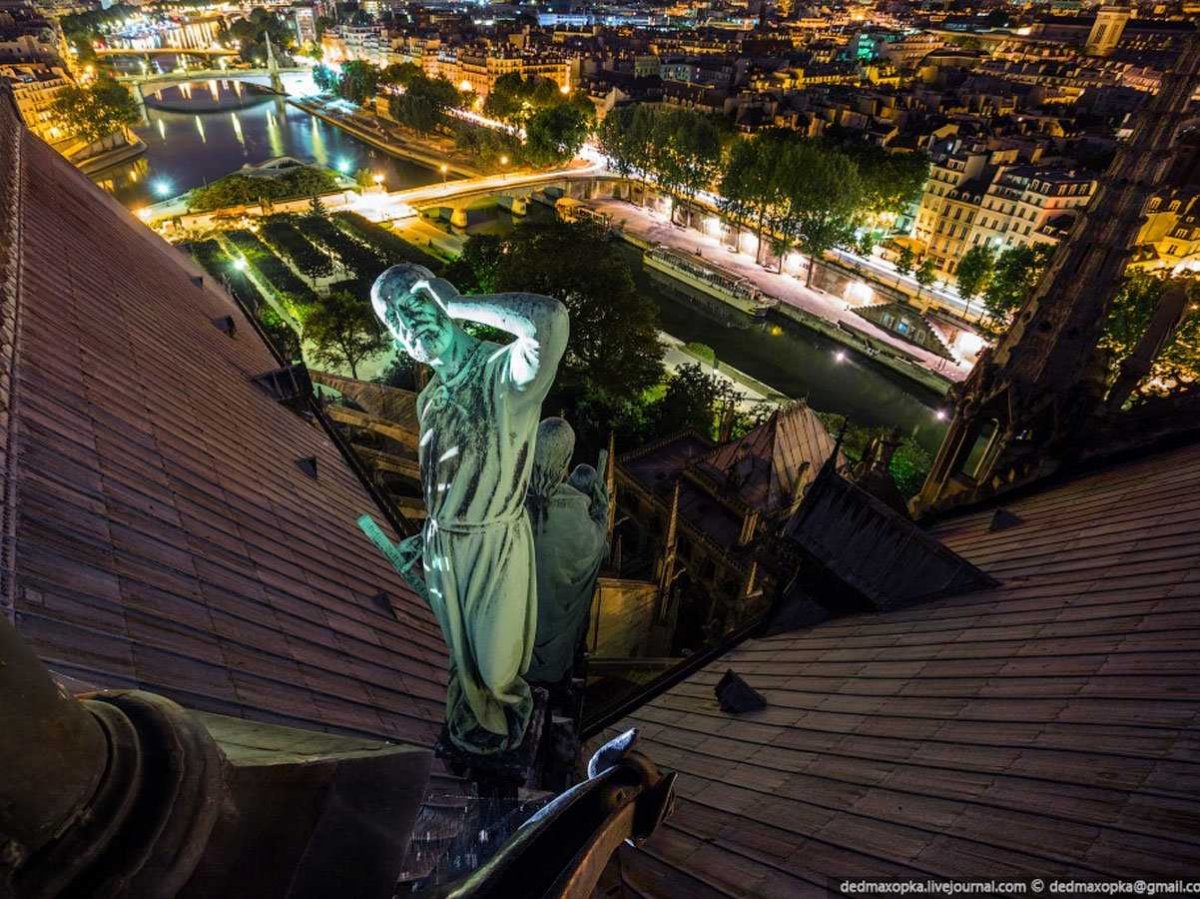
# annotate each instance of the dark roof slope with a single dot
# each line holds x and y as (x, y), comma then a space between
(158, 530)
(772, 463)
(1044, 727)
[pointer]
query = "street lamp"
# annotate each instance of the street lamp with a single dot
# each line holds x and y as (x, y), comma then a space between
(443, 168)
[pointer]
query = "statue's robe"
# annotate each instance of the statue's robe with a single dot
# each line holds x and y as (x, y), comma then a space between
(477, 441)
(570, 536)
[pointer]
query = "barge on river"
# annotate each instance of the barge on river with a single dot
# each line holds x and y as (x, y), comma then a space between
(711, 279)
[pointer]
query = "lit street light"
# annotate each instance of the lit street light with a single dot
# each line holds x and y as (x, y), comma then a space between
(162, 188)
(443, 168)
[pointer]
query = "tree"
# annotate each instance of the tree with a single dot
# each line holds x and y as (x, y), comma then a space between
(316, 209)
(626, 138)
(685, 152)
(92, 112)
(359, 82)
(1018, 269)
(695, 400)
(906, 259)
(926, 274)
(751, 186)
(424, 103)
(975, 271)
(823, 194)
(344, 331)
(326, 79)
(555, 134)
(517, 100)
(279, 333)
(251, 35)
(400, 74)
(891, 181)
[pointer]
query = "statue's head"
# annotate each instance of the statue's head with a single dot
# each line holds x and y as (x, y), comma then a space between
(415, 315)
(551, 456)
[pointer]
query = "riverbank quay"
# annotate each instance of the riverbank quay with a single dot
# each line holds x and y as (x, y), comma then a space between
(825, 314)
(377, 132)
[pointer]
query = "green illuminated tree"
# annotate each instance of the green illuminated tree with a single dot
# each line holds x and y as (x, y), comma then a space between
(686, 153)
(906, 259)
(517, 100)
(344, 331)
(822, 197)
(359, 82)
(401, 74)
(975, 271)
(94, 111)
(554, 134)
(251, 34)
(926, 274)
(1177, 363)
(1018, 270)
(425, 103)
(626, 137)
(751, 186)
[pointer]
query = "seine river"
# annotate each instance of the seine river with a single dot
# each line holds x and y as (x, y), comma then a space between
(186, 149)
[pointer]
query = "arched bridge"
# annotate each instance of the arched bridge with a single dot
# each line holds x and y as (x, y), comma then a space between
(166, 51)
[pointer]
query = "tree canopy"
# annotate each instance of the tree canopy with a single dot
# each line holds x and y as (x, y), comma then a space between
(91, 112)
(250, 33)
(244, 190)
(1017, 271)
(822, 195)
(554, 134)
(344, 331)
(425, 102)
(516, 100)
(975, 271)
(753, 183)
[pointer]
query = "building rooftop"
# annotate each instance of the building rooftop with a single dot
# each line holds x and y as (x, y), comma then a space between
(159, 530)
(1042, 727)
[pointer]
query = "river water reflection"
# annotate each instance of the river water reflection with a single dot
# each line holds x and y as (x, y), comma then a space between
(185, 149)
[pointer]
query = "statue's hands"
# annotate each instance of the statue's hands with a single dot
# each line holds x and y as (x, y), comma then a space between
(587, 481)
(410, 552)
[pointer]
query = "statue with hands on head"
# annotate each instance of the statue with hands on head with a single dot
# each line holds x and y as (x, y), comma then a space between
(478, 421)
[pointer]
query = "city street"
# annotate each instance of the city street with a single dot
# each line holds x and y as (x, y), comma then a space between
(654, 228)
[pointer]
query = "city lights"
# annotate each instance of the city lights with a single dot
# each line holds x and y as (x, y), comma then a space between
(162, 188)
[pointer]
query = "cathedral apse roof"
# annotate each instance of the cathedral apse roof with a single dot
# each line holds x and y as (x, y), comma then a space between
(1042, 727)
(159, 530)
